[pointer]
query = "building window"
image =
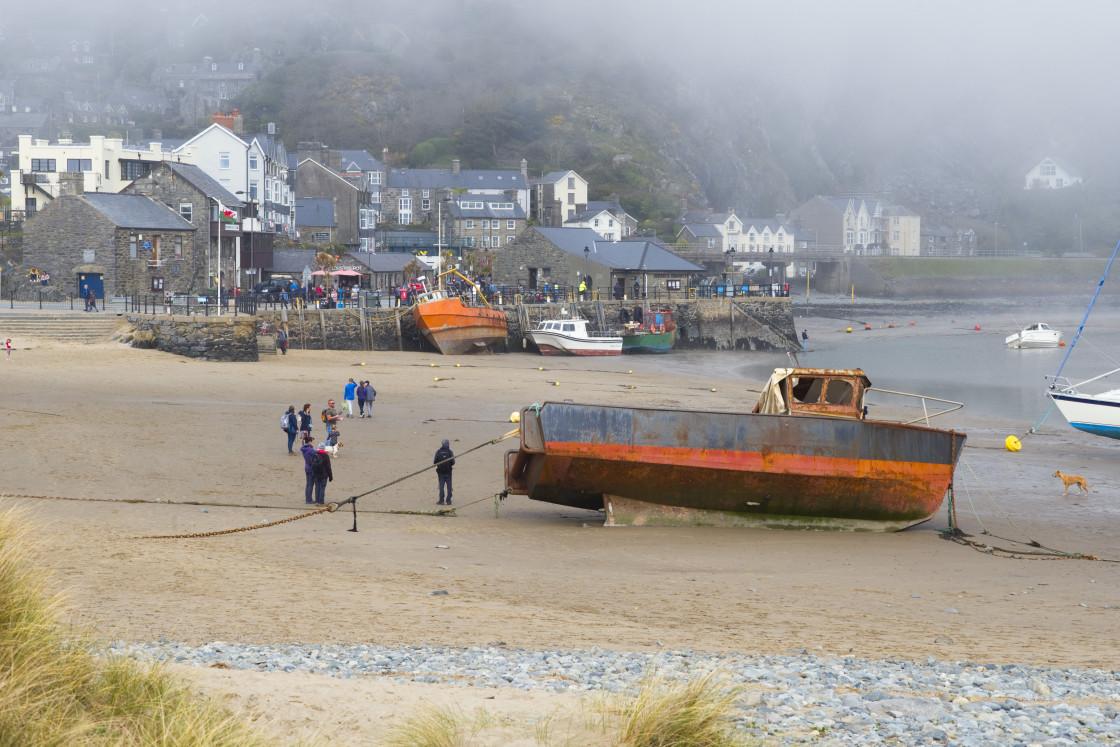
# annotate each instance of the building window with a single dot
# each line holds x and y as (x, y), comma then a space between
(425, 204)
(186, 211)
(485, 242)
(253, 161)
(895, 220)
(673, 285)
(485, 225)
(571, 198)
(404, 193)
(42, 164)
(79, 164)
(571, 182)
(253, 186)
(595, 223)
(468, 223)
(510, 225)
(894, 235)
(1048, 169)
(496, 241)
(132, 247)
(424, 193)
(157, 285)
(178, 247)
(223, 160)
(509, 239)
(711, 243)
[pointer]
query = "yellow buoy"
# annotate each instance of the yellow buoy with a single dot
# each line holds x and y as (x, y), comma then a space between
(458, 365)
(849, 329)
(436, 379)
(713, 390)
(515, 417)
(1012, 443)
(363, 363)
(540, 368)
(556, 383)
(432, 365)
(629, 372)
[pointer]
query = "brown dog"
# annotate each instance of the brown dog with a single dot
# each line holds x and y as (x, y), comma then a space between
(1068, 480)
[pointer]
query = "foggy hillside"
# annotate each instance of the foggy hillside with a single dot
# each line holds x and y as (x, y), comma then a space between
(942, 106)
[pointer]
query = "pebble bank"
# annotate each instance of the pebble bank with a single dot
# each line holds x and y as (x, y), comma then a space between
(796, 699)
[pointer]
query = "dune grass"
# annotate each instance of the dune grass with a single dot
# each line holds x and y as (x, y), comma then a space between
(696, 713)
(56, 690)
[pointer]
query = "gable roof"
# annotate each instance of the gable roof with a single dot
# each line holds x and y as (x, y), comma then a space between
(136, 211)
(221, 130)
(701, 230)
(204, 183)
(443, 179)
(360, 160)
(611, 206)
(617, 255)
(315, 164)
(587, 215)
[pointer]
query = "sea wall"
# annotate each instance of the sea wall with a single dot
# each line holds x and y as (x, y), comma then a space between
(704, 324)
(214, 338)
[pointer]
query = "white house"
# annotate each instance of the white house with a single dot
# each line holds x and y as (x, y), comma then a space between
(601, 221)
(764, 235)
(699, 224)
(1051, 173)
(106, 165)
(557, 196)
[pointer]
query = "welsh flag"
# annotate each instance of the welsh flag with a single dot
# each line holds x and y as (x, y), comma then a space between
(225, 215)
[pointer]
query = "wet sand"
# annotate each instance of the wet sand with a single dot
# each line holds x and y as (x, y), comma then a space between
(103, 422)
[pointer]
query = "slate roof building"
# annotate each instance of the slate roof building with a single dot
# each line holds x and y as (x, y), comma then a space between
(412, 195)
(481, 221)
(113, 244)
(567, 255)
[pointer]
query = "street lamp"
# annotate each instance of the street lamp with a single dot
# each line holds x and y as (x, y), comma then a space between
(586, 259)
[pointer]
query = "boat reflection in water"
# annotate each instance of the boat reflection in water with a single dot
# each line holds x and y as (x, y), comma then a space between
(806, 457)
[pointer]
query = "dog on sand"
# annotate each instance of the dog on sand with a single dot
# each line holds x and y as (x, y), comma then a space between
(332, 450)
(1069, 480)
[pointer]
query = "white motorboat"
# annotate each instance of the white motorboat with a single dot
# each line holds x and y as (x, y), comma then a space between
(571, 337)
(1037, 335)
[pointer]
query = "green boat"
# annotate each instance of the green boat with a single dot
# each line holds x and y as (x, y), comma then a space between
(655, 333)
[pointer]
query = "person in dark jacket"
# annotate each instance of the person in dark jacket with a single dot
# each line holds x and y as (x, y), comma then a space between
(444, 461)
(305, 420)
(322, 474)
(308, 451)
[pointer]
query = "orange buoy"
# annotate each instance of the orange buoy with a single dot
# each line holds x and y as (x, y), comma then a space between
(912, 323)
(891, 324)
(867, 326)
(1061, 343)
(977, 327)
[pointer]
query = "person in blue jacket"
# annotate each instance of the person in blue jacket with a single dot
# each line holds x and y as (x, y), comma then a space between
(348, 394)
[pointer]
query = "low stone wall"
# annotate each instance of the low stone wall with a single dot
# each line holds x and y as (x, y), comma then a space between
(705, 324)
(225, 338)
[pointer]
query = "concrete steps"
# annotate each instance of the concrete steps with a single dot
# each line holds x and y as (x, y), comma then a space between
(67, 326)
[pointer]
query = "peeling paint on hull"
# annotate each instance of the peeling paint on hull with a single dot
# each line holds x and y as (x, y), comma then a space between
(798, 469)
(454, 329)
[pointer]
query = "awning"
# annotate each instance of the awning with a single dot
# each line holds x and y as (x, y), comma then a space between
(347, 273)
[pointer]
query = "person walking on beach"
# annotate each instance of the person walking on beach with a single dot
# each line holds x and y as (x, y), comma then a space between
(308, 451)
(444, 461)
(321, 471)
(331, 417)
(8, 348)
(348, 396)
(361, 392)
(282, 340)
(305, 421)
(804, 339)
(291, 426)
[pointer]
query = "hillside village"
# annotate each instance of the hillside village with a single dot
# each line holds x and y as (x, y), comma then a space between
(234, 209)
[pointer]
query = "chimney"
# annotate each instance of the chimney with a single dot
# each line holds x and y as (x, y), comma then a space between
(455, 167)
(384, 156)
(271, 128)
(71, 183)
(525, 170)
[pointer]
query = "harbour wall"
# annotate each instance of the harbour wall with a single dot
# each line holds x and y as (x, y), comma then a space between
(702, 324)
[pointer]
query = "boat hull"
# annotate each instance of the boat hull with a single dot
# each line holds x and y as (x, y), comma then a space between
(649, 342)
(550, 343)
(454, 329)
(770, 470)
(1089, 414)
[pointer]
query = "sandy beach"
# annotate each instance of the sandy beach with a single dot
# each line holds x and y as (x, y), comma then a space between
(102, 425)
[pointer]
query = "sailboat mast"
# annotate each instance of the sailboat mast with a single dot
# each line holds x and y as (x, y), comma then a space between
(1083, 321)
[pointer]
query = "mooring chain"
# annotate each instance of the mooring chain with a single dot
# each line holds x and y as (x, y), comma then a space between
(329, 508)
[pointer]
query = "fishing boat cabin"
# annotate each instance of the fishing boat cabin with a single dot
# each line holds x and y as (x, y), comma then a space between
(836, 392)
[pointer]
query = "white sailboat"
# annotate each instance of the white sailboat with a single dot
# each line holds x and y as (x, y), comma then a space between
(1099, 413)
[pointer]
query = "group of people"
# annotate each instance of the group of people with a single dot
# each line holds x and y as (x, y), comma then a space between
(365, 394)
(317, 460)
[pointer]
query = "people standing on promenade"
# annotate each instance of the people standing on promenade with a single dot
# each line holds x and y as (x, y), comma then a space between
(305, 421)
(348, 394)
(308, 451)
(321, 470)
(290, 421)
(361, 392)
(331, 417)
(444, 461)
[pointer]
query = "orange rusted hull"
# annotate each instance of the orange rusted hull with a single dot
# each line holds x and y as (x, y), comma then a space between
(454, 329)
(780, 470)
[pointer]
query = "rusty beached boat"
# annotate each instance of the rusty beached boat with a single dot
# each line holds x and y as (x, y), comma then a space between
(452, 327)
(806, 457)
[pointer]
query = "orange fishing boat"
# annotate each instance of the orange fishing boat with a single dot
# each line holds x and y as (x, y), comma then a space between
(453, 327)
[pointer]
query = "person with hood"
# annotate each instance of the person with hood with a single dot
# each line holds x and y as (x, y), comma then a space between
(444, 461)
(321, 472)
(308, 451)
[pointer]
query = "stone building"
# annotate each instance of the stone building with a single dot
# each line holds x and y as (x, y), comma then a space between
(112, 244)
(481, 221)
(353, 216)
(196, 197)
(564, 256)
